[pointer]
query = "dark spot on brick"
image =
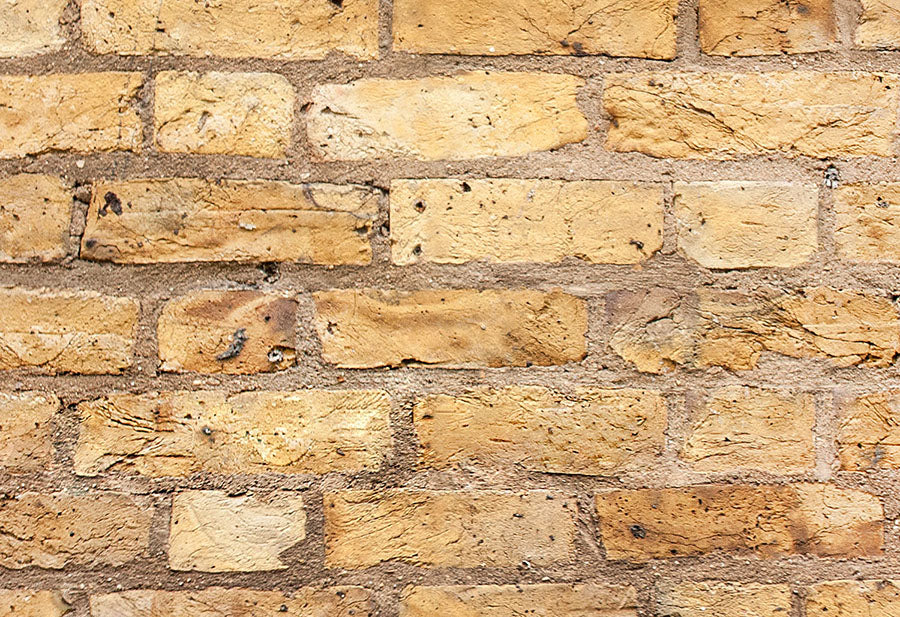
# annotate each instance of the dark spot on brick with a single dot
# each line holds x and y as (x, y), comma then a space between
(338, 3)
(466, 187)
(112, 202)
(638, 244)
(638, 532)
(419, 206)
(238, 340)
(90, 243)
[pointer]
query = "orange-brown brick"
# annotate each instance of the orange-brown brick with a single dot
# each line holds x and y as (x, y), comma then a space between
(878, 598)
(26, 438)
(767, 521)
(34, 218)
(879, 25)
(32, 603)
(448, 529)
(31, 27)
(867, 222)
(869, 431)
(452, 328)
(723, 599)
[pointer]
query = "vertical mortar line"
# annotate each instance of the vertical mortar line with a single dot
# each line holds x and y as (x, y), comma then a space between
(847, 13)
(379, 240)
(385, 30)
(404, 455)
(146, 347)
(670, 223)
(300, 152)
(825, 433)
(688, 32)
(825, 222)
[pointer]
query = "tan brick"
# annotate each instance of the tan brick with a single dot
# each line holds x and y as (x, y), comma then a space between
(644, 29)
(739, 428)
(723, 599)
(282, 29)
(26, 432)
(594, 431)
(660, 329)
(867, 222)
(61, 529)
(879, 598)
(724, 115)
(90, 112)
(767, 521)
(766, 27)
(465, 116)
(455, 221)
(31, 27)
(230, 332)
(62, 331)
(180, 433)
(452, 328)
(32, 603)
(212, 532)
(747, 224)
(35, 211)
(543, 600)
(869, 431)
(188, 219)
(879, 25)
(249, 114)
(448, 529)
(233, 602)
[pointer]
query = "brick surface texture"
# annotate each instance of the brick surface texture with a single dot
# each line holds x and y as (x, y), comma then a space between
(420, 308)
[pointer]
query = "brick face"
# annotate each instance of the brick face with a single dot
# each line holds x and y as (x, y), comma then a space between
(31, 27)
(868, 432)
(32, 603)
(845, 598)
(26, 439)
(866, 226)
(879, 25)
(35, 211)
(724, 599)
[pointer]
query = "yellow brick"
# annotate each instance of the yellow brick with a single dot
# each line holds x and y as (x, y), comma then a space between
(213, 532)
(230, 332)
(282, 29)
(90, 112)
(869, 432)
(35, 211)
(766, 521)
(26, 438)
(249, 114)
(747, 224)
(740, 428)
(452, 328)
(659, 329)
(644, 29)
(543, 600)
(61, 331)
(180, 433)
(766, 27)
(879, 25)
(187, 219)
(466, 116)
(595, 431)
(724, 599)
(724, 115)
(56, 530)
(448, 529)
(878, 598)
(32, 603)
(30, 27)
(867, 222)
(455, 221)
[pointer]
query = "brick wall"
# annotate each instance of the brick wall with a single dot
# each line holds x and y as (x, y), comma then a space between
(360, 308)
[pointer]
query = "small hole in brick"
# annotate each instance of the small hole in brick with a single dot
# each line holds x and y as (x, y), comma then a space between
(419, 206)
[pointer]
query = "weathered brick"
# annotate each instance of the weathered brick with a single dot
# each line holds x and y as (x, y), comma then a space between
(880, 598)
(724, 115)
(233, 602)
(659, 329)
(545, 600)
(766, 27)
(747, 224)
(455, 221)
(35, 211)
(466, 116)
(31, 27)
(180, 433)
(448, 529)
(723, 599)
(768, 521)
(188, 219)
(32, 603)
(644, 29)
(61, 331)
(282, 29)
(879, 25)
(739, 428)
(89, 112)
(249, 114)
(60, 529)
(594, 431)
(212, 532)
(452, 328)
(867, 222)
(26, 432)
(869, 432)
(230, 332)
